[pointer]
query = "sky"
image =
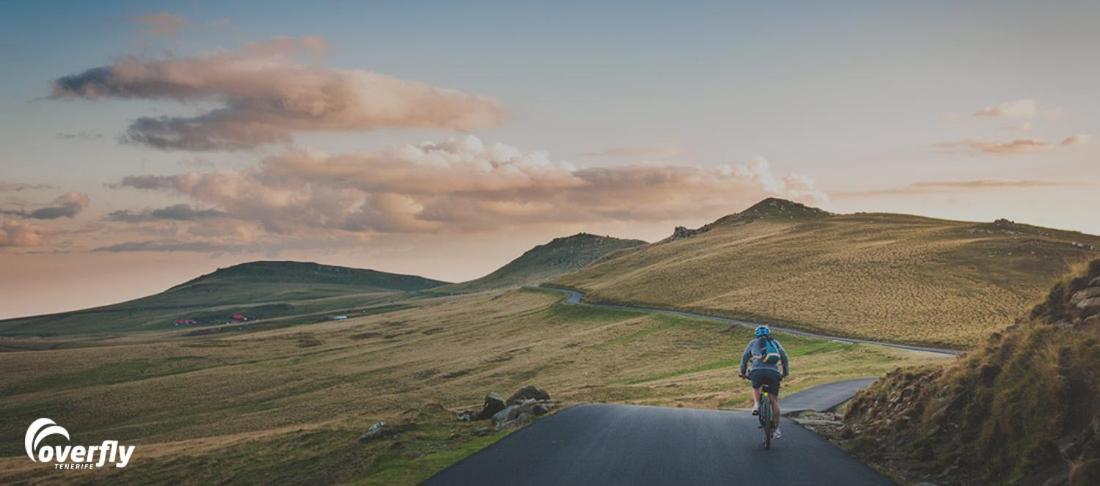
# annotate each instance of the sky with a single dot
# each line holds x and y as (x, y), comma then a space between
(146, 143)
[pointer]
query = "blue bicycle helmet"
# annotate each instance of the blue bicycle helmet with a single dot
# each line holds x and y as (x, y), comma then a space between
(762, 331)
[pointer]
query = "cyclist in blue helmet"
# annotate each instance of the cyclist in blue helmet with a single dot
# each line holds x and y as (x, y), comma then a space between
(762, 359)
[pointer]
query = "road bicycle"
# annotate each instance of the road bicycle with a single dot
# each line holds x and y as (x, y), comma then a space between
(765, 414)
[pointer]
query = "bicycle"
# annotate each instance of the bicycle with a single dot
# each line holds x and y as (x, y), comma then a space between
(765, 415)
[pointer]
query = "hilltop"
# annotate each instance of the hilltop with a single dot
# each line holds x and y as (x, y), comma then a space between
(544, 262)
(772, 209)
(308, 273)
(870, 275)
(1020, 409)
(255, 290)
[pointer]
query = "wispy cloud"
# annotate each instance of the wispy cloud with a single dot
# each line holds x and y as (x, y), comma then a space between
(81, 135)
(178, 212)
(20, 186)
(268, 95)
(1025, 108)
(638, 151)
(933, 187)
(462, 185)
(162, 23)
(65, 206)
(1011, 147)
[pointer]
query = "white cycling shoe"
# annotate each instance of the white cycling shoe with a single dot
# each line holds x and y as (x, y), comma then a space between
(777, 434)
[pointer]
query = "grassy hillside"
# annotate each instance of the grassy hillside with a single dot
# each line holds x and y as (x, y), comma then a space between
(543, 262)
(1024, 408)
(878, 276)
(259, 290)
(287, 405)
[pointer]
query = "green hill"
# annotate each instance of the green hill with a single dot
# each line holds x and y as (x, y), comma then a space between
(257, 290)
(544, 262)
(879, 276)
(1023, 408)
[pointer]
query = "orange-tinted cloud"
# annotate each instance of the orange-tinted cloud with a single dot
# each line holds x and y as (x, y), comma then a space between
(1010, 109)
(268, 95)
(20, 186)
(464, 185)
(162, 23)
(1011, 147)
(19, 233)
(65, 206)
(638, 151)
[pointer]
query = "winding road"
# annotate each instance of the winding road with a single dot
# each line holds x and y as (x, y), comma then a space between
(573, 297)
(606, 444)
(613, 444)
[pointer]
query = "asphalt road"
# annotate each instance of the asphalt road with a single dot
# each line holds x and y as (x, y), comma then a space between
(823, 397)
(574, 297)
(637, 446)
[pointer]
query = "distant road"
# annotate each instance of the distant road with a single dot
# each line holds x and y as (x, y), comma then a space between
(824, 397)
(574, 297)
(600, 444)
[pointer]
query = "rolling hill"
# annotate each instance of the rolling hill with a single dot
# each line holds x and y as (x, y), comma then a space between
(544, 262)
(256, 290)
(1022, 408)
(870, 275)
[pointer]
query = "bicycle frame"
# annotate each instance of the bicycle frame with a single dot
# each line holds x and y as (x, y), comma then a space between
(765, 415)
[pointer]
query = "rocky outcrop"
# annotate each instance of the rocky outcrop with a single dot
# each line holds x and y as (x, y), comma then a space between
(376, 430)
(1020, 409)
(529, 392)
(520, 408)
(520, 414)
(493, 403)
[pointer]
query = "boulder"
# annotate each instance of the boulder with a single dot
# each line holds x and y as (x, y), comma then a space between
(373, 432)
(529, 392)
(1090, 303)
(1085, 294)
(510, 412)
(513, 416)
(493, 404)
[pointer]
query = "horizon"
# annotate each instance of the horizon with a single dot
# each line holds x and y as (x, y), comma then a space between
(505, 260)
(176, 141)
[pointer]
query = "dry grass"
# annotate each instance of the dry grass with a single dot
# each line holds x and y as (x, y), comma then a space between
(891, 277)
(287, 404)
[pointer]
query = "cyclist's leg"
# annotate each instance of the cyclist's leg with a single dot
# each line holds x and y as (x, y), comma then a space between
(754, 382)
(773, 389)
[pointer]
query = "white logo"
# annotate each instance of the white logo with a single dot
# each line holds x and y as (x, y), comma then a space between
(72, 457)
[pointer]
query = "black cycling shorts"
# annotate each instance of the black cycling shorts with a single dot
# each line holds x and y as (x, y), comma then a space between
(766, 378)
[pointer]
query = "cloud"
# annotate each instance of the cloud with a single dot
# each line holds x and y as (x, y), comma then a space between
(19, 186)
(638, 151)
(162, 23)
(19, 233)
(1011, 147)
(81, 135)
(173, 246)
(267, 95)
(178, 212)
(463, 184)
(932, 187)
(65, 206)
(1025, 108)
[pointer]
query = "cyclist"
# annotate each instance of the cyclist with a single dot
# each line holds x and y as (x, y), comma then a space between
(766, 354)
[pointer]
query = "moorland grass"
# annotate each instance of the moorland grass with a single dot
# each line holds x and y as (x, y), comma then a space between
(287, 404)
(876, 276)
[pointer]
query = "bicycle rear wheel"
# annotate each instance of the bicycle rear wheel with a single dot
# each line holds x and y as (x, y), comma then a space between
(766, 422)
